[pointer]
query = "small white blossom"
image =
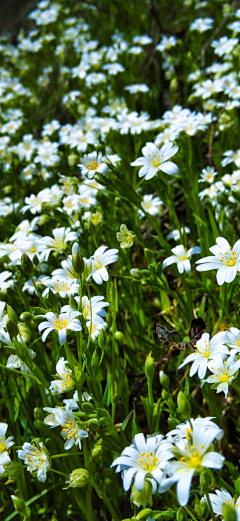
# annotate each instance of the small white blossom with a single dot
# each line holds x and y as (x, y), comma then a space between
(206, 350)
(181, 257)
(36, 459)
(61, 323)
(99, 261)
(65, 383)
(156, 159)
(224, 372)
(225, 259)
(70, 431)
(144, 458)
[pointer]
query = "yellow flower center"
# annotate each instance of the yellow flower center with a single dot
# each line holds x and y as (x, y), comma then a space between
(93, 166)
(58, 243)
(2, 447)
(224, 378)
(97, 264)
(60, 324)
(183, 257)
(148, 464)
(62, 287)
(156, 162)
(196, 461)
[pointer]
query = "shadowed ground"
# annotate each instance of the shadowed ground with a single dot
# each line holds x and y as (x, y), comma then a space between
(12, 13)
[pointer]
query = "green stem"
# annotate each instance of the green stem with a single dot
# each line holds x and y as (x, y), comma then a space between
(90, 302)
(228, 487)
(210, 507)
(66, 455)
(188, 509)
(58, 472)
(110, 507)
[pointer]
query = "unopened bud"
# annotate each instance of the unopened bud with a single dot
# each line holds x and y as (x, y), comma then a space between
(93, 424)
(136, 273)
(73, 302)
(77, 260)
(78, 478)
(184, 406)
(24, 332)
(229, 513)
(165, 394)
(145, 513)
(164, 380)
(120, 337)
(13, 470)
(149, 367)
(12, 329)
(26, 316)
(35, 260)
(27, 265)
(19, 504)
(12, 315)
(87, 407)
(142, 499)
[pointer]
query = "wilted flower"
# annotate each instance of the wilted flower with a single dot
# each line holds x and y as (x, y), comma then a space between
(125, 237)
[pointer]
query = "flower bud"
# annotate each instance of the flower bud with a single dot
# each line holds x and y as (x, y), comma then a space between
(26, 316)
(19, 504)
(149, 367)
(83, 416)
(27, 265)
(229, 513)
(12, 329)
(184, 406)
(146, 512)
(35, 260)
(77, 260)
(135, 273)
(164, 380)
(165, 394)
(142, 499)
(88, 407)
(78, 478)
(24, 332)
(93, 424)
(73, 302)
(13, 470)
(12, 315)
(120, 337)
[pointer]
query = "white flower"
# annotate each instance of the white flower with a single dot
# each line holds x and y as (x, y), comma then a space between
(58, 244)
(166, 43)
(226, 260)
(156, 159)
(100, 260)
(4, 458)
(181, 257)
(224, 372)
(97, 305)
(221, 498)
(5, 443)
(201, 25)
(184, 430)
(26, 148)
(206, 350)
(207, 175)
(61, 286)
(231, 157)
(36, 459)
(25, 228)
(60, 324)
(193, 457)
(34, 202)
(136, 87)
(4, 283)
(92, 163)
(70, 432)
(224, 46)
(142, 40)
(49, 128)
(233, 340)
(14, 362)
(150, 204)
(65, 383)
(144, 458)
(96, 326)
(47, 154)
(175, 234)
(67, 271)
(72, 403)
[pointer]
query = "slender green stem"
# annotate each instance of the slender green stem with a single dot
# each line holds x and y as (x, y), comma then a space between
(110, 507)
(90, 303)
(58, 472)
(210, 507)
(66, 455)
